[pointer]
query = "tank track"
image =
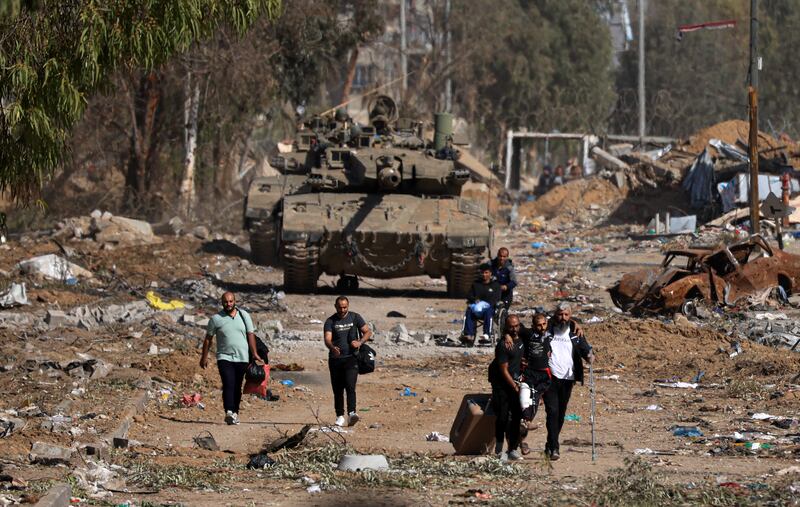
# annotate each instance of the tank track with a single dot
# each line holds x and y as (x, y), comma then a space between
(263, 245)
(300, 267)
(463, 272)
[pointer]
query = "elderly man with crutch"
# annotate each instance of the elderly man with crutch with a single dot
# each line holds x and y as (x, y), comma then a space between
(568, 351)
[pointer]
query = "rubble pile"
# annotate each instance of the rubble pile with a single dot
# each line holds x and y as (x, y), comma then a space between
(105, 228)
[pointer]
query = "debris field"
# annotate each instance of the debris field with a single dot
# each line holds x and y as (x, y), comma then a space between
(103, 392)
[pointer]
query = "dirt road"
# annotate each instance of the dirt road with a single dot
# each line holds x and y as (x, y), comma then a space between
(737, 459)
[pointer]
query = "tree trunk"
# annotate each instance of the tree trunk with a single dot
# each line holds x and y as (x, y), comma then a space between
(191, 107)
(143, 105)
(351, 74)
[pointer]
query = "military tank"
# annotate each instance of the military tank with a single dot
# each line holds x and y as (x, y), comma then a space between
(374, 200)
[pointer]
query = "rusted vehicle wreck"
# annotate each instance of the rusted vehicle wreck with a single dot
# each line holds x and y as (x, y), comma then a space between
(721, 275)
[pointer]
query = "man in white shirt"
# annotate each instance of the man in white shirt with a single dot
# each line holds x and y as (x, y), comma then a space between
(566, 366)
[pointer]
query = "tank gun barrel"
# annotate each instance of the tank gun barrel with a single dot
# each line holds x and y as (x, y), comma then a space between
(389, 174)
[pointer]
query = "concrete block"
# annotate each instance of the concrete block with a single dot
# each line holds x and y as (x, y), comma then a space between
(55, 318)
(201, 232)
(49, 454)
(58, 495)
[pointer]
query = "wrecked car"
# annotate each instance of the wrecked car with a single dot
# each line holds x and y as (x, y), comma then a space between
(721, 275)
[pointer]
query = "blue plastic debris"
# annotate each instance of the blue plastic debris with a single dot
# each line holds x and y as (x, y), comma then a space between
(572, 249)
(408, 392)
(538, 244)
(287, 382)
(687, 431)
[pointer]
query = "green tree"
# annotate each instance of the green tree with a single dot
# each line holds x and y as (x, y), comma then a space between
(538, 64)
(54, 54)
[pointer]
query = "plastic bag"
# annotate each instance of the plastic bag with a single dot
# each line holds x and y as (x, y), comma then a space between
(254, 372)
(479, 307)
(260, 461)
(257, 387)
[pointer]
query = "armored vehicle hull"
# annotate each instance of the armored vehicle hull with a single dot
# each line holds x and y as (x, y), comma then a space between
(381, 236)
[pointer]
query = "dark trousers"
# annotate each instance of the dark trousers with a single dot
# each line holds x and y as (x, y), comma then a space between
(508, 412)
(232, 375)
(556, 399)
(344, 373)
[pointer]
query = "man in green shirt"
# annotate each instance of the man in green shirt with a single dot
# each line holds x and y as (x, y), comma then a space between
(234, 330)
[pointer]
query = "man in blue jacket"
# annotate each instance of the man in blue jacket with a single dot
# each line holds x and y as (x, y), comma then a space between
(503, 272)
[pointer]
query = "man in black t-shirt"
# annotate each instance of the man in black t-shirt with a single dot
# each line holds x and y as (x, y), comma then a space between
(504, 373)
(344, 333)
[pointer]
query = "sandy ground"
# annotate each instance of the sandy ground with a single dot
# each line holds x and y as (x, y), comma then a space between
(633, 356)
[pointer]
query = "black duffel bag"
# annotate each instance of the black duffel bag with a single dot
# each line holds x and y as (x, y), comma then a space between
(366, 359)
(255, 373)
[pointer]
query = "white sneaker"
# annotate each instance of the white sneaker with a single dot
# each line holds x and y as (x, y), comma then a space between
(485, 338)
(514, 455)
(340, 421)
(228, 417)
(353, 419)
(235, 418)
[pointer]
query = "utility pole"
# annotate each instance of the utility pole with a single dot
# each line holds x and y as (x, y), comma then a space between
(642, 128)
(752, 95)
(448, 84)
(403, 48)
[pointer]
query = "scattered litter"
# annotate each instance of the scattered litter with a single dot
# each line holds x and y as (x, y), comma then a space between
(408, 392)
(595, 319)
(698, 377)
(572, 417)
(479, 494)
(191, 400)
(435, 436)
(314, 488)
(288, 367)
(609, 377)
(771, 316)
(538, 244)
(687, 431)
(677, 385)
(158, 304)
(287, 382)
(761, 416)
(794, 469)
(54, 267)
(14, 296)
(654, 407)
(315, 321)
(360, 462)
(645, 451)
(260, 461)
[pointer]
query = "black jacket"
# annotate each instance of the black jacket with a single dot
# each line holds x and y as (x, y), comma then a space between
(489, 292)
(580, 349)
